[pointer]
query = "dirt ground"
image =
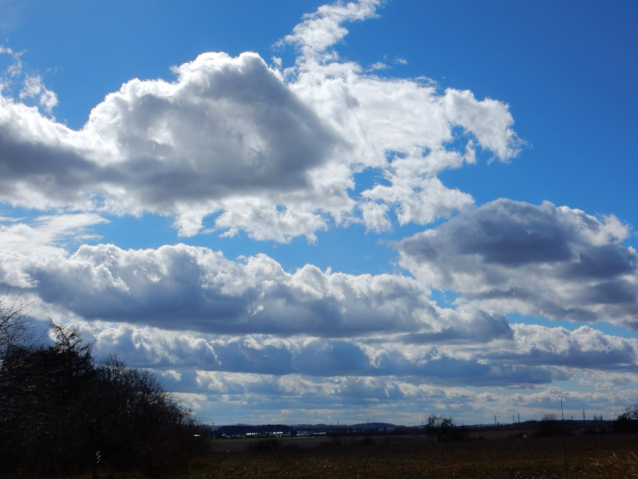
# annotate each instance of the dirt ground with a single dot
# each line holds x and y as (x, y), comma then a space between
(603, 456)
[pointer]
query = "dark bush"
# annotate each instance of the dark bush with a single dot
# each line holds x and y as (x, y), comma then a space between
(42, 416)
(132, 404)
(550, 426)
(61, 414)
(627, 422)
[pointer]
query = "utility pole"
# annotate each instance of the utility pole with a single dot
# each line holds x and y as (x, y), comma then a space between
(562, 415)
(519, 417)
(584, 422)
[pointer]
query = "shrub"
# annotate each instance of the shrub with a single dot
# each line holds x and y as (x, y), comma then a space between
(62, 414)
(550, 426)
(627, 422)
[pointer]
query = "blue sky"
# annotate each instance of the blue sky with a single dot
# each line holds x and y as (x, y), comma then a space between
(386, 209)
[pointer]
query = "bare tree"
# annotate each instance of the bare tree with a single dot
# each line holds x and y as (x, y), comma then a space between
(439, 427)
(15, 327)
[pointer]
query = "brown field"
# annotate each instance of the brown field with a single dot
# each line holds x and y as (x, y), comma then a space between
(602, 456)
(414, 456)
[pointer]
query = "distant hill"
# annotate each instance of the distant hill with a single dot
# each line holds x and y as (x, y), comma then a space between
(245, 428)
(372, 425)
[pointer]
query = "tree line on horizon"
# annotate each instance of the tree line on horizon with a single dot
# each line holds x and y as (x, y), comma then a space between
(62, 413)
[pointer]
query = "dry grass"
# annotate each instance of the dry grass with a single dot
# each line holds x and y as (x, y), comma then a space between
(408, 457)
(610, 456)
(615, 467)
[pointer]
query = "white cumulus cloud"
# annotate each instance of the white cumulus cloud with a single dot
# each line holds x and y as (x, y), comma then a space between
(508, 256)
(273, 154)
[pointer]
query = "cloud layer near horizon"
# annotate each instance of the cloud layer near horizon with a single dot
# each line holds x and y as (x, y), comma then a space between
(252, 316)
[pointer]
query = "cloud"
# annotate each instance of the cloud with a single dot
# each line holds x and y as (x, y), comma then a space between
(308, 338)
(250, 316)
(32, 84)
(273, 154)
(227, 129)
(322, 29)
(306, 399)
(14, 69)
(328, 358)
(532, 355)
(22, 245)
(378, 66)
(465, 325)
(193, 288)
(232, 145)
(311, 374)
(34, 88)
(584, 348)
(417, 199)
(507, 256)
(47, 234)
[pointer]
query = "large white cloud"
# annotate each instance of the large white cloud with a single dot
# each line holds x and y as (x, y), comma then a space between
(312, 322)
(274, 154)
(193, 288)
(507, 256)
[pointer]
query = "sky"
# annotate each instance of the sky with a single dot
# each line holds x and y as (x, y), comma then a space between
(297, 212)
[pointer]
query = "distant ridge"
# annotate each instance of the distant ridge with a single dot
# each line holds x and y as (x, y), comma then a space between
(372, 425)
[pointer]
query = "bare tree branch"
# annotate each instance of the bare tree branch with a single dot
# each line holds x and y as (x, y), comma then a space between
(15, 327)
